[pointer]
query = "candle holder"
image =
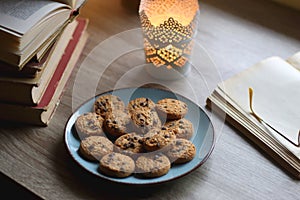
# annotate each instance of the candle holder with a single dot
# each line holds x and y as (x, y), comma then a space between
(169, 28)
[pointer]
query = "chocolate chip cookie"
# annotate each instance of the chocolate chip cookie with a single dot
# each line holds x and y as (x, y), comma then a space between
(93, 148)
(141, 103)
(89, 124)
(152, 165)
(117, 123)
(108, 103)
(182, 151)
(130, 144)
(144, 120)
(159, 140)
(182, 128)
(117, 165)
(172, 109)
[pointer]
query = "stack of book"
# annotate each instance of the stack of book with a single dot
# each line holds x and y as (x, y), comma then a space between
(262, 102)
(41, 42)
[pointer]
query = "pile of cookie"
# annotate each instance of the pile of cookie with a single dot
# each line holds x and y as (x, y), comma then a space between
(143, 138)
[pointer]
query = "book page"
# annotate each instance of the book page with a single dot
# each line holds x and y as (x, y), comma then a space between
(276, 96)
(18, 16)
(68, 2)
(75, 4)
(79, 3)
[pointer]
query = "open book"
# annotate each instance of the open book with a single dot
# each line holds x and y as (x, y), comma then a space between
(27, 27)
(271, 118)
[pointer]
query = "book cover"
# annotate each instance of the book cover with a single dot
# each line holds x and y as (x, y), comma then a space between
(270, 115)
(42, 113)
(28, 91)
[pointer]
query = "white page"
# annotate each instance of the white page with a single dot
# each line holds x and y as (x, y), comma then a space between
(75, 4)
(276, 86)
(19, 16)
(68, 2)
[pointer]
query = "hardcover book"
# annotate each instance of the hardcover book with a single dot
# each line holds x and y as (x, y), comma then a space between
(28, 91)
(28, 26)
(42, 113)
(262, 103)
(31, 68)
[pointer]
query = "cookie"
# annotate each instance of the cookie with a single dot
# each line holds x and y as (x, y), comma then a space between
(108, 103)
(130, 144)
(182, 128)
(152, 165)
(93, 148)
(89, 124)
(141, 103)
(117, 123)
(151, 133)
(182, 151)
(117, 165)
(144, 120)
(172, 109)
(159, 139)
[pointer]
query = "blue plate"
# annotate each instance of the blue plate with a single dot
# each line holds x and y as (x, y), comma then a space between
(203, 137)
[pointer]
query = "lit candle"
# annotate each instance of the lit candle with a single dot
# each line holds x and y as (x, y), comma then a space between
(169, 27)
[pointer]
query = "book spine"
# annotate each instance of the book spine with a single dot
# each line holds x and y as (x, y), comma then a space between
(63, 62)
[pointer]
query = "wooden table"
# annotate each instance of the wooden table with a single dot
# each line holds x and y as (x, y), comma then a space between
(236, 34)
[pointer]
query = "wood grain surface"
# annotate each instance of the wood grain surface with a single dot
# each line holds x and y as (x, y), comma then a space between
(235, 34)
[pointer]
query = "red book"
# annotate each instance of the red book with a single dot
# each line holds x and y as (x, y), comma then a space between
(43, 112)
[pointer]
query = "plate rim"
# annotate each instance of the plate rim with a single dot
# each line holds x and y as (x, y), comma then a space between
(145, 183)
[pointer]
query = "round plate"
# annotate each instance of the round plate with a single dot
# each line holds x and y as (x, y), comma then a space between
(203, 137)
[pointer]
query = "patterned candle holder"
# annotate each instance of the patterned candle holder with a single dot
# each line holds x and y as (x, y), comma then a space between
(169, 28)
